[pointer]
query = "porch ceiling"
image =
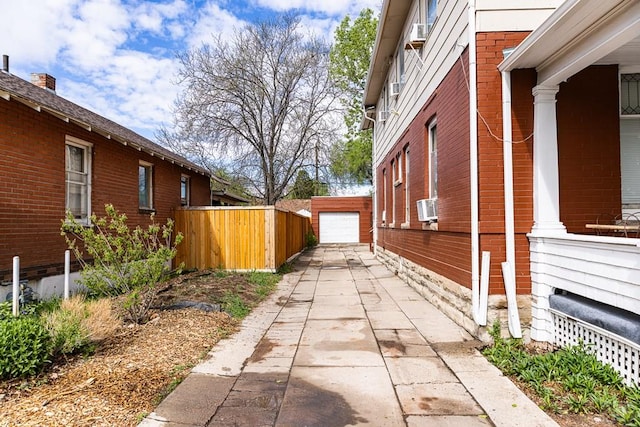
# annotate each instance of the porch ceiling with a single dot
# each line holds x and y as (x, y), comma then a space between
(578, 34)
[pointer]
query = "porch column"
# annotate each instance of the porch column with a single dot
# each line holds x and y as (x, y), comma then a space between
(546, 190)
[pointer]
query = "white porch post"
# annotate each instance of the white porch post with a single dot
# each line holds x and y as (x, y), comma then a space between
(546, 192)
(546, 206)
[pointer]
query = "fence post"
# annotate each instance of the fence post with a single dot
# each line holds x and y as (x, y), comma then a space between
(16, 285)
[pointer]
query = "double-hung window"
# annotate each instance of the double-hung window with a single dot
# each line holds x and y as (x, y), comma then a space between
(433, 160)
(145, 185)
(630, 141)
(407, 198)
(78, 179)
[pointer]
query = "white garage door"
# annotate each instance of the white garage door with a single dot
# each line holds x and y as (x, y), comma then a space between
(339, 227)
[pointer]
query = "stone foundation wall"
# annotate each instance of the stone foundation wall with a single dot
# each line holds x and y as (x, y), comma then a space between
(453, 299)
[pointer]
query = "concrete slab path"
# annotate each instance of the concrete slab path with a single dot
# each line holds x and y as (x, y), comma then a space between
(343, 342)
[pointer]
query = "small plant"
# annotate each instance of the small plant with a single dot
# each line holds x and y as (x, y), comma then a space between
(121, 260)
(24, 346)
(310, 240)
(77, 324)
(265, 283)
(233, 304)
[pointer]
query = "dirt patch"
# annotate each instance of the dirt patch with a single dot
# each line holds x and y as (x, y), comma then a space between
(130, 372)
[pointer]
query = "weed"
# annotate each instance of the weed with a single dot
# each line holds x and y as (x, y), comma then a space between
(233, 304)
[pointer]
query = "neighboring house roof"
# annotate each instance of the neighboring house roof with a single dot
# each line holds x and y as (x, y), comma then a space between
(294, 205)
(12, 87)
(228, 198)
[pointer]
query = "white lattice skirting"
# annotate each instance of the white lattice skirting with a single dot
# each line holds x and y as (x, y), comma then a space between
(623, 355)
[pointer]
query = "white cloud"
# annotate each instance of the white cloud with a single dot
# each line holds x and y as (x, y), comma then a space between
(213, 20)
(328, 7)
(117, 57)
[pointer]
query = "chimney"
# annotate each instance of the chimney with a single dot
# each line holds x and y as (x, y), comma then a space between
(5, 63)
(45, 81)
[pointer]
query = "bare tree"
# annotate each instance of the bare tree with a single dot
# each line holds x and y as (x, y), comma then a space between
(259, 103)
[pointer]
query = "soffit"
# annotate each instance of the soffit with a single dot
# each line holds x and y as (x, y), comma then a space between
(392, 19)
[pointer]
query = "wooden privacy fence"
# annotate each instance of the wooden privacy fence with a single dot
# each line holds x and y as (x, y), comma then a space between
(239, 238)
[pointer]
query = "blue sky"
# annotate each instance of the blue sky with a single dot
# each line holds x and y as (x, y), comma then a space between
(117, 57)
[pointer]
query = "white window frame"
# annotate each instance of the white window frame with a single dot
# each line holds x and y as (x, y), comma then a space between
(407, 204)
(433, 159)
(87, 147)
(185, 179)
(401, 66)
(147, 166)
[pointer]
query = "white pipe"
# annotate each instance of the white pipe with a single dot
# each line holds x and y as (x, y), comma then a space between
(481, 317)
(16, 285)
(512, 302)
(473, 152)
(374, 175)
(67, 271)
(509, 227)
(507, 154)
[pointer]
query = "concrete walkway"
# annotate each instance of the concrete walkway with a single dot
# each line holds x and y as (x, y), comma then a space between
(345, 342)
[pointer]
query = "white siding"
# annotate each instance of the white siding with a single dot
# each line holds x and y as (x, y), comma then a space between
(426, 68)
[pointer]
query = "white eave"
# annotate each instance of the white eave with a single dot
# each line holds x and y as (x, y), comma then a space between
(578, 34)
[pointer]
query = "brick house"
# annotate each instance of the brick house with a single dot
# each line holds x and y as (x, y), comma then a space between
(56, 155)
(508, 129)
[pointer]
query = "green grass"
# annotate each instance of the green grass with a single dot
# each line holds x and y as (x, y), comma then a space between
(569, 380)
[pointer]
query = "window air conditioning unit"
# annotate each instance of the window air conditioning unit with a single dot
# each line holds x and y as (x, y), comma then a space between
(427, 209)
(383, 116)
(418, 36)
(395, 89)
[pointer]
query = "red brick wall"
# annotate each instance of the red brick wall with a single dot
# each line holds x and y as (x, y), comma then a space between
(32, 188)
(360, 204)
(490, 157)
(448, 250)
(589, 146)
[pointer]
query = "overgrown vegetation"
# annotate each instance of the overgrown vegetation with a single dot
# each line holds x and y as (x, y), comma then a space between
(121, 260)
(78, 324)
(310, 240)
(569, 380)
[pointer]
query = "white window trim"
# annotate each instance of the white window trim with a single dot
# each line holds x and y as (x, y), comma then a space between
(77, 142)
(150, 189)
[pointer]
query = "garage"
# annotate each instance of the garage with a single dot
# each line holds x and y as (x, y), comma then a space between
(339, 227)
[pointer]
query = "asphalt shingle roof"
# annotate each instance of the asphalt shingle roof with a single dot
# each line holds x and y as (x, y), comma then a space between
(45, 100)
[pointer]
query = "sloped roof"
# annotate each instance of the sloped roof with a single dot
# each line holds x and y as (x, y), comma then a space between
(294, 205)
(12, 87)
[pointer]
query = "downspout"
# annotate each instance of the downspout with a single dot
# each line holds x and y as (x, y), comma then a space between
(479, 316)
(374, 209)
(509, 266)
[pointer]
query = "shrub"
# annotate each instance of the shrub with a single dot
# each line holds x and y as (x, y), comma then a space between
(122, 260)
(24, 346)
(311, 239)
(78, 323)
